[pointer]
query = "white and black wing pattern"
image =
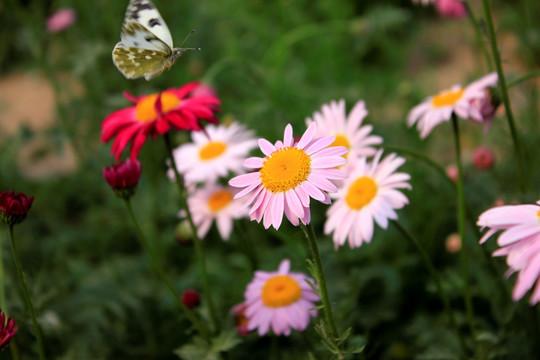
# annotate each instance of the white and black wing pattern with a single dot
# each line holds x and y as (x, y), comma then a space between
(146, 14)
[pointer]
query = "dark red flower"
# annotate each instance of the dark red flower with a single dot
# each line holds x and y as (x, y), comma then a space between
(123, 177)
(191, 298)
(14, 207)
(7, 330)
(240, 319)
(156, 114)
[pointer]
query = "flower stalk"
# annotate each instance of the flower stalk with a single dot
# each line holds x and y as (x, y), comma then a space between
(26, 294)
(464, 253)
(196, 241)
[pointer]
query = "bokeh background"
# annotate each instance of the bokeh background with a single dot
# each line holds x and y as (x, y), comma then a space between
(272, 63)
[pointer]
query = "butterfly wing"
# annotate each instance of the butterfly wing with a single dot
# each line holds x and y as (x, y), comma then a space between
(146, 14)
(136, 62)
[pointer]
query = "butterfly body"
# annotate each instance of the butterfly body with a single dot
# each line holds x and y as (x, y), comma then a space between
(145, 49)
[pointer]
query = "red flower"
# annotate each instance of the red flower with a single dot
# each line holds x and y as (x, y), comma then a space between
(483, 158)
(156, 114)
(123, 177)
(7, 330)
(14, 207)
(191, 298)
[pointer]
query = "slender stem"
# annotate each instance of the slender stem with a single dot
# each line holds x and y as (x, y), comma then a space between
(522, 78)
(26, 295)
(479, 35)
(321, 281)
(438, 284)
(518, 152)
(196, 241)
(12, 346)
(461, 228)
(187, 312)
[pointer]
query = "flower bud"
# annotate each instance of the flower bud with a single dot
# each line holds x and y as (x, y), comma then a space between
(14, 207)
(123, 177)
(191, 298)
(7, 330)
(483, 158)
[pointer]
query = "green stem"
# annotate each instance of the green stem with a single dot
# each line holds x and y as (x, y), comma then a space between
(247, 245)
(26, 294)
(438, 284)
(187, 312)
(321, 281)
(522, 78)
(196, 241)
(12, 346)
(518, 152)
(461, 227)
(479, 35)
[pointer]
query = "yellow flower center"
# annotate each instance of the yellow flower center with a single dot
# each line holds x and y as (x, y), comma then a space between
(361, 192)
(212, 150)
(447, 98)
(538, 214)
(285, 169)
(219, 200)
(146, 108)
(281, 290)
(341, 140)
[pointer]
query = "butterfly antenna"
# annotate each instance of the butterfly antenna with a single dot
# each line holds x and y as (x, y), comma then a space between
(187, 37)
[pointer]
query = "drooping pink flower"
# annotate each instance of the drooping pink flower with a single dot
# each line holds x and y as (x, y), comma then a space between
(289, 175)
(61, 20)
(483, 158)
(280, 300)
(14, 207)
(156, 114)
(519, 241)
(451, 8)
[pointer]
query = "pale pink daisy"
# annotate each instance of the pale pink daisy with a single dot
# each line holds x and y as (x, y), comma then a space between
(280, 301)
(369, 193)
(288, 175)
(519, 242)
(214, 154)
(461, 101)
(215, 202)
(332, 120)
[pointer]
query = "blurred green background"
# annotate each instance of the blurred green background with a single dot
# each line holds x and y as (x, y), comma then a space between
(272, 63)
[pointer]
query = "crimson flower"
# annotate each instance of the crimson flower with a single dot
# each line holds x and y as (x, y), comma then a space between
(191, 298)
(123, 177)
(14, 207)
(7, 330)
(156, 114)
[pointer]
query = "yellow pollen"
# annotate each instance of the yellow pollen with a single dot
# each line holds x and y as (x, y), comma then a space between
(212, 150)
(341, 140)
(538, 214)
(285, 169)
(146, 108)
(219, 200)
(447, 98)
(281, 290)
(361, 192)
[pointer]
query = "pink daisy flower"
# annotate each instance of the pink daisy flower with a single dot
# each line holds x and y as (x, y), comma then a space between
(462, 101)
(280, 301)
(288, 175)
(348, 130)
(215, 202)
(156, 114)
(519, 242)
(369, 193)
(212, 155)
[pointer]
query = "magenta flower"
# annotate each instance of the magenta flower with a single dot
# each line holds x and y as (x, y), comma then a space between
(519, 242)
(14, 207)
(451, 8)
(123, 177)
(289, 175)
(61, 20)
(280, 301)
(7, 330)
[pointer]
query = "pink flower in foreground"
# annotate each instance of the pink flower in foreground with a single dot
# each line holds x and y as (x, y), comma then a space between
(483, 158)
(461, 101)
(369, 194)
(289, 175)
(451, 8)
(280, 301)
(7, 330)
(156, 114)
(519, 242)
(61, 20)
(332, 120)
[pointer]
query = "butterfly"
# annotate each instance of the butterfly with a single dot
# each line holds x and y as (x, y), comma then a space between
(146, 46)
